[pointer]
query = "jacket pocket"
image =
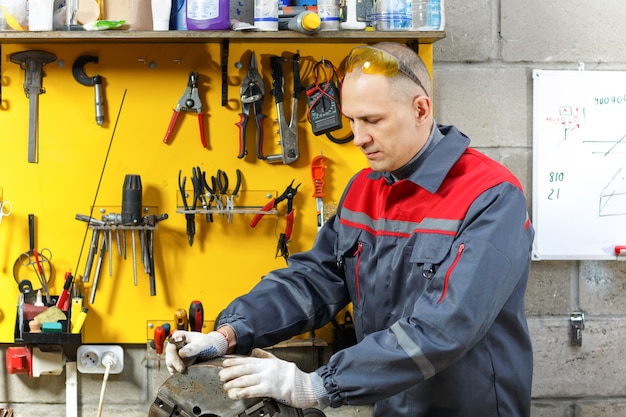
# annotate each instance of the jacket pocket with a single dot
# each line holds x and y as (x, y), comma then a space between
(429, 252)
(348, 254)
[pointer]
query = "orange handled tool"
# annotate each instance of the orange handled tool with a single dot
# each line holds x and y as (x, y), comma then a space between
(317, 172)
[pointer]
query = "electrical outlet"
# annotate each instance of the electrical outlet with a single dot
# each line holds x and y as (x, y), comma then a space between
(93, 359)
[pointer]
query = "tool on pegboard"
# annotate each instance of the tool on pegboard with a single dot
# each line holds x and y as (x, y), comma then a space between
(78, 71)
(317, 172)
(32, 62)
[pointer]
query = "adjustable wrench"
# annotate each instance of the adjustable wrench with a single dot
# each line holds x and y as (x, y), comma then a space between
(288, 130)
(32, 63)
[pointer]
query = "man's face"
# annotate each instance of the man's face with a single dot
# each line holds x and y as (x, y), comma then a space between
(385, 126)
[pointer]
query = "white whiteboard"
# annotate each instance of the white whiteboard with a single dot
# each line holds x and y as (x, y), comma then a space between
(579, 164)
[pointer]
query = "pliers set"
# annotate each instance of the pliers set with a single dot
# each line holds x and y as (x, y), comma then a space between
(204, 195)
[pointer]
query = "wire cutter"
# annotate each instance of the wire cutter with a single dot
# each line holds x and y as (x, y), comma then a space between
(252, 91)
(288, 195)
(190, 216)
(222, 186)
(188, 102)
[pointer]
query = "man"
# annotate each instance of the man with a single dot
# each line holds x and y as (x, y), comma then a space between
(431, 245)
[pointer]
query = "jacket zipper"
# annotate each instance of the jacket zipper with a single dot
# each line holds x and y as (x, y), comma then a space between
(356, 272)
(456, 261)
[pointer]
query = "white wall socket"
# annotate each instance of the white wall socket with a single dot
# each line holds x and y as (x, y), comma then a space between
(90, 358)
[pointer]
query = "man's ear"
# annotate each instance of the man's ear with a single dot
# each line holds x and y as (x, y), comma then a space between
(423, 108)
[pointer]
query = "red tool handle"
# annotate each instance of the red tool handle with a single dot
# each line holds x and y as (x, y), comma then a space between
(196, 316)
(289, 226)
(171, 126)
(266, 208)
(259, 136)
(159, 339)
(64, 298)
(201, 123)
(243, 122)
(619, 249)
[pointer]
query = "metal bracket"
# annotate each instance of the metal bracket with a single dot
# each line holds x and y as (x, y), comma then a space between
(577, 325)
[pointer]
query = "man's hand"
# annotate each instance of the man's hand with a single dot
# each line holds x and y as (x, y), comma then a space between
(184, 348)
(264, 375)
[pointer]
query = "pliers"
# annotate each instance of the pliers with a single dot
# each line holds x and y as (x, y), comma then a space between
(188, 102)
(252, 91)
(190, 216)
(222, 185)
(288, 195)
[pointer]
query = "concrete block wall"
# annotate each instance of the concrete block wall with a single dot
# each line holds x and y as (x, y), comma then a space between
(483, 85)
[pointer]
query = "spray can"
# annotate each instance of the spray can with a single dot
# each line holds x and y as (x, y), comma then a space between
(266, 15)
(329, 14)
(304, 22)
(208, 14)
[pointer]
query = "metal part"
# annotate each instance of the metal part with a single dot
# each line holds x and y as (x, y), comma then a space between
(199, 392)
(577, 325)
(32, 62)
(95, 81)
(288, 129)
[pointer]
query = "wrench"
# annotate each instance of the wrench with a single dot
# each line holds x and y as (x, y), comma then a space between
(32, 62)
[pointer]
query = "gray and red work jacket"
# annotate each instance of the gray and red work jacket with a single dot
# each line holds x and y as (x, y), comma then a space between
(436, 264)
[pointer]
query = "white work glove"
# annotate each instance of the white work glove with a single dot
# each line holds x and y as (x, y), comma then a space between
(193, 346)
(264, 375)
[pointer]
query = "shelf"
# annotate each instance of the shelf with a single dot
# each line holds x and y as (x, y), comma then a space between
(225, 211)
(126, 36)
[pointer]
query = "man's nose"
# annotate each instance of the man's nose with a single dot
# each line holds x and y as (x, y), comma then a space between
(361, 137)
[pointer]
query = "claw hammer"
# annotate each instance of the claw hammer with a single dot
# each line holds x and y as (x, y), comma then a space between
(32, 62)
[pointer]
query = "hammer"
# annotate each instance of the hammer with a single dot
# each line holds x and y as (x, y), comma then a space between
(32, 63)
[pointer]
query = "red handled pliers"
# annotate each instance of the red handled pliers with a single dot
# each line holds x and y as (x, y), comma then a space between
(188, 102)
(288, 195)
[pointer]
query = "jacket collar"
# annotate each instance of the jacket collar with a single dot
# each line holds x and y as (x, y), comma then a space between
(431, 165)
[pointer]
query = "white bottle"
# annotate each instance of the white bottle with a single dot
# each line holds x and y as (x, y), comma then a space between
(351, 22)
(266, 15)
(329, 14)
(161, 11)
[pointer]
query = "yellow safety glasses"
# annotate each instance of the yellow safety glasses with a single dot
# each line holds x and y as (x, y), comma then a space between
(376, 61)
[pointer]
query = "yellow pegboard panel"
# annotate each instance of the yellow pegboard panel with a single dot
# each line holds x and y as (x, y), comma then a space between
(226, 259)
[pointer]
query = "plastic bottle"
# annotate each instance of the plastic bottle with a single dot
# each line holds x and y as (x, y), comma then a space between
(266, 15)
(392, 15)
(351, 22)
(329, 14)
(208, 14)
(304, 22)
(178, 17)
(434, 15)
(161, 10)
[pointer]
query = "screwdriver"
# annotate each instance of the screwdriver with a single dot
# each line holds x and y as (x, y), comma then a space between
(180, 318)
(159, 341)
(196, 316)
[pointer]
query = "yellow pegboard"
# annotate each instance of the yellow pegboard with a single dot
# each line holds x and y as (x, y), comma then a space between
(227, 259)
